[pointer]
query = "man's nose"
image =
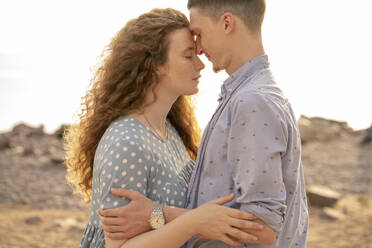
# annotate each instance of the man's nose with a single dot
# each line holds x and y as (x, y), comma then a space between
(199, 49)
(200, 65)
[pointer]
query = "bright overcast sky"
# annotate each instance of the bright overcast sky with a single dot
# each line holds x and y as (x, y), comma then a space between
(320, 52)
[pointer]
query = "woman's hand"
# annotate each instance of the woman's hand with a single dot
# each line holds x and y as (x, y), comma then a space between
(210, 221)
(216, 222)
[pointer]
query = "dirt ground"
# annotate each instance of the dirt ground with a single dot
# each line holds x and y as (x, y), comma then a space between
(37, 208)
(354, 231)
(25, 227)
(63, 228)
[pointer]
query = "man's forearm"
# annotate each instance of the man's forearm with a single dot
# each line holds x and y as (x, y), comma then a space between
(171, 213)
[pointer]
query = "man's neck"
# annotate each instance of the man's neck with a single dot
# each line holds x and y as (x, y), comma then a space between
(243, 51)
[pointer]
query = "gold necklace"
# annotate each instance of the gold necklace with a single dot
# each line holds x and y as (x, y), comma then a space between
(153, 129)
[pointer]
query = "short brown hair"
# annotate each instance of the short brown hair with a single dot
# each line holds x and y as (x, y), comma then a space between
(250, 11)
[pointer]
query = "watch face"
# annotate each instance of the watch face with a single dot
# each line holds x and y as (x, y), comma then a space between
(157, 221)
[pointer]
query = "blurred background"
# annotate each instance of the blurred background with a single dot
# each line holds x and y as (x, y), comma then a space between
(320, 53)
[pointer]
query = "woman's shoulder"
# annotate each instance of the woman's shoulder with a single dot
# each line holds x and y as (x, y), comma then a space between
(123, 128)
(124, 123)
(124, 131)
(120, 146)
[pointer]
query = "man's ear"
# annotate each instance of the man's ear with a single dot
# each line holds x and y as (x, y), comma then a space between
(228, 21)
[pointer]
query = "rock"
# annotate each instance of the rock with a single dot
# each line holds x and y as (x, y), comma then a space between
(70, 223)
(321, 196)
(34, 220)
(367, 136)
(321, 129)
(76, 229)
(354, 203)
(61, 130)
(55, 226)
(48, 229)
(65, 222)
(56, 155)
(18, 150)
(28, 151)
(43, 161)
(24, 130)
(333, 214)
(30, 139)
(4, 142)
(25, 150)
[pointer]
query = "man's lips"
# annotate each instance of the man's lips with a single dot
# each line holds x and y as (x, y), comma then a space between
(196, 78)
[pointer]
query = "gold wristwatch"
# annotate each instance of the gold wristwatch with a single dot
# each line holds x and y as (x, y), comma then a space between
(157, 219)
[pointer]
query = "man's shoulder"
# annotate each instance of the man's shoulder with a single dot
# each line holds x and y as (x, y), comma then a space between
(265, 100)
(262, 89)
(249, 97)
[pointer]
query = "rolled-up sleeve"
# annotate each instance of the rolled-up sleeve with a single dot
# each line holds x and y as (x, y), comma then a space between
(257, 141)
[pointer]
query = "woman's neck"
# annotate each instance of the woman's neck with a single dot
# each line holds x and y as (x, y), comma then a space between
(157, 113)
(154, 114)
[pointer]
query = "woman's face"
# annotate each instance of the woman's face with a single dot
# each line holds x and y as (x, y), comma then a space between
(180, 74)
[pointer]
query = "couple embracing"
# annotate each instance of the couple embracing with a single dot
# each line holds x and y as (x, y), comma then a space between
(137, 154)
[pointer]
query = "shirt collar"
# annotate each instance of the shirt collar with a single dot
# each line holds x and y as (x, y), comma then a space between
(246, 70)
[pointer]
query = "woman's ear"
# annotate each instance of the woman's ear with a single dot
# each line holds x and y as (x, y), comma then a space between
(162, 70)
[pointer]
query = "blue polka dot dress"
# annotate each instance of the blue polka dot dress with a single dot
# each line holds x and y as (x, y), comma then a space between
(129, 155)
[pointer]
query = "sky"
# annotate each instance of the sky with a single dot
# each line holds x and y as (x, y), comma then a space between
(320, 53)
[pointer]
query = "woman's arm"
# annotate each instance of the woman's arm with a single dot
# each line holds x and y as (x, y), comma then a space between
(131, 220)
(217, 222)
(179, 232)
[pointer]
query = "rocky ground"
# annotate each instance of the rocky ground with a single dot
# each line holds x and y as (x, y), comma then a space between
(38, 209)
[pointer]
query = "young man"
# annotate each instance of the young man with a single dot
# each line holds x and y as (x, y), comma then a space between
(251, 146)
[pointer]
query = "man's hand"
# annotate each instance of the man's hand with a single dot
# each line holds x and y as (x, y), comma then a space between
(128, 221)
(216, 222)
(266, 236)
(132, 219)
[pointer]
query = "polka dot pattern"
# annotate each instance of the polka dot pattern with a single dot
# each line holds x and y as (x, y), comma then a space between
(130, 156)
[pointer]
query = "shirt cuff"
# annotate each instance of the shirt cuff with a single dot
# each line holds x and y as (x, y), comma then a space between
(272, 217)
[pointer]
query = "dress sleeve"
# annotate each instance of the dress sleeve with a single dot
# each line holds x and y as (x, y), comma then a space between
(122, 165)
(257, 140)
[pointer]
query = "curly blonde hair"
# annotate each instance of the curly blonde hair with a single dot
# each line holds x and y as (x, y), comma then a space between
(118, 88)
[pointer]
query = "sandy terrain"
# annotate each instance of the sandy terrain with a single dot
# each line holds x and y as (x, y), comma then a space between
(37, 208)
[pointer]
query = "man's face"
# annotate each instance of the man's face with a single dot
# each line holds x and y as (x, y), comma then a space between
(209, 38)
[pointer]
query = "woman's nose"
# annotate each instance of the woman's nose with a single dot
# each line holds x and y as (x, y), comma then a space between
(199, 64)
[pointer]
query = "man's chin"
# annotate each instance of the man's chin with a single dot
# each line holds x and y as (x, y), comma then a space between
(216, 69)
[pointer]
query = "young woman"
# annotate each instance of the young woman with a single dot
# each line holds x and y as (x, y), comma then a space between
(138, 131)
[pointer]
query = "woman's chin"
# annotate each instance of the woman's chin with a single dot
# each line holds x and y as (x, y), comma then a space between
(192, 92)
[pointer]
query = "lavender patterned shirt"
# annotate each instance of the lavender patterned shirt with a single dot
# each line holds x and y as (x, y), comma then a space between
(251, 147)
